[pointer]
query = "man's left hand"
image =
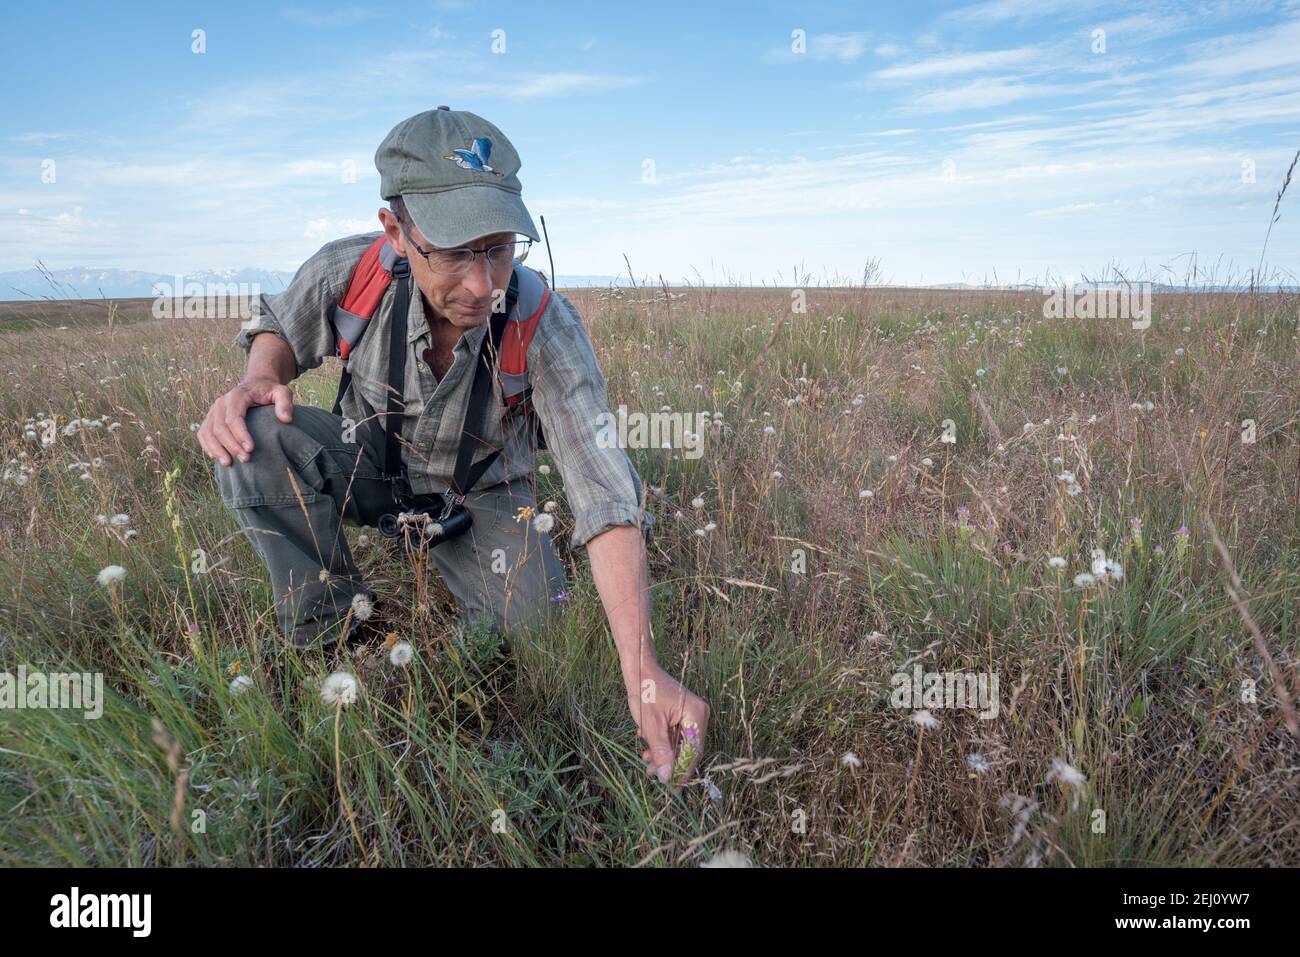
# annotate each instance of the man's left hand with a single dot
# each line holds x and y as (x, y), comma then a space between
(671, 720)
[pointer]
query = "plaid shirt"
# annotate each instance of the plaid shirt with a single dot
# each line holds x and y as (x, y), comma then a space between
(569, 391)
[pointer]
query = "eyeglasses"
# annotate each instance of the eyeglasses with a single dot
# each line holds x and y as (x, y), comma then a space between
(457, 262)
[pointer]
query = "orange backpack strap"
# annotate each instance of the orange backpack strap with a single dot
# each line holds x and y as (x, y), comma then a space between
(370, 280)
(532, 298)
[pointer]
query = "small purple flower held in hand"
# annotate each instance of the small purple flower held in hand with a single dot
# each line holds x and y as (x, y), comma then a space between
(690, 747)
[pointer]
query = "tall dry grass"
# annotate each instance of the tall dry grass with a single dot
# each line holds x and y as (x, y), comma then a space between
(1128, 697)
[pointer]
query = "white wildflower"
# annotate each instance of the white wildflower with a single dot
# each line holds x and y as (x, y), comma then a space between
(1098, 563)
(544, 522)
(110, 575)
(1066, 773)
(340, 688)
(924, 719)
(401, 654)
(362, 606)
(728, 858)
(240, 684)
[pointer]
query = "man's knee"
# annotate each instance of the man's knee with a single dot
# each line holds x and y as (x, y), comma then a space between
(279, 449)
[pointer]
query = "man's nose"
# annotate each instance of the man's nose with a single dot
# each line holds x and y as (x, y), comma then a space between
(478, 281)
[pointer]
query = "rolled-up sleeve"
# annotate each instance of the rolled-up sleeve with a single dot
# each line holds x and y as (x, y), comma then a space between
(569, 393)
(302, 315)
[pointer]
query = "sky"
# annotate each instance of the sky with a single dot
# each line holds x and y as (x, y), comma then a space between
(1000, 140)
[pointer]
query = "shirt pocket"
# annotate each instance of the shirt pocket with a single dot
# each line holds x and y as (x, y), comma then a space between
(369, 365)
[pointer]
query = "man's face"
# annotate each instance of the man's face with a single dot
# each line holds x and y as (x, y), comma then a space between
(465, 300)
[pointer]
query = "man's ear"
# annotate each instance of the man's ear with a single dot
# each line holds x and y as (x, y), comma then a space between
(393, 230)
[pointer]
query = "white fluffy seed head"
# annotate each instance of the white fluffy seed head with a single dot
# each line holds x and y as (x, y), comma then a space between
(339, 689)
(924, 719)
(362, 606)
(240, 684)
(110, 574)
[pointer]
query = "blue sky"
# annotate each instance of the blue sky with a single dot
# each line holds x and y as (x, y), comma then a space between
(950, 141)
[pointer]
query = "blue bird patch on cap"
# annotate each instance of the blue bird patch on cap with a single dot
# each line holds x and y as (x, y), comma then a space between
(475, 158)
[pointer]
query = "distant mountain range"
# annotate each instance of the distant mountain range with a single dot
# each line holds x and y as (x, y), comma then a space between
(88, 283)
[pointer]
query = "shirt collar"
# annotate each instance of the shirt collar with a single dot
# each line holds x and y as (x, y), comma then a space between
(417, 325)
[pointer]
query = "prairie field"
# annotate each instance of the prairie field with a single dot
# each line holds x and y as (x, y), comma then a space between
(885, 482)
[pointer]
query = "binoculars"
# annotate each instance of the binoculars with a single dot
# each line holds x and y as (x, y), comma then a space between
(431, 522)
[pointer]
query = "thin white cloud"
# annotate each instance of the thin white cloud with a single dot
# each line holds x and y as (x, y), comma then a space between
(996, 11)
(952, 64)
(844, 47)
(979, 94)
(326, 228)
(40, 139)
(1269, 49)
(542, 85)
(340, 17)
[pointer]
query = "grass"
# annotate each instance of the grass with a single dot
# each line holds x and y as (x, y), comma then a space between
(790, 617)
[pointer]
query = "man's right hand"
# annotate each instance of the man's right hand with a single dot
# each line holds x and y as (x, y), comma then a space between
(223, 433)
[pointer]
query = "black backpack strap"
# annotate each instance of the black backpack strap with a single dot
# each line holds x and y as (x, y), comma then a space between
(397, 371)
(345, 380)
(480, 398)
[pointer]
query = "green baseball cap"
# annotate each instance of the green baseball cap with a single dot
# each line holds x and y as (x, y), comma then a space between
(457, 174)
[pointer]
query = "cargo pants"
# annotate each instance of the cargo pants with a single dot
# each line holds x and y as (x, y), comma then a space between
(302, 483)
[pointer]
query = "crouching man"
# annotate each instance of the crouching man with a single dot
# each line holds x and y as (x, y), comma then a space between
(459, 361)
